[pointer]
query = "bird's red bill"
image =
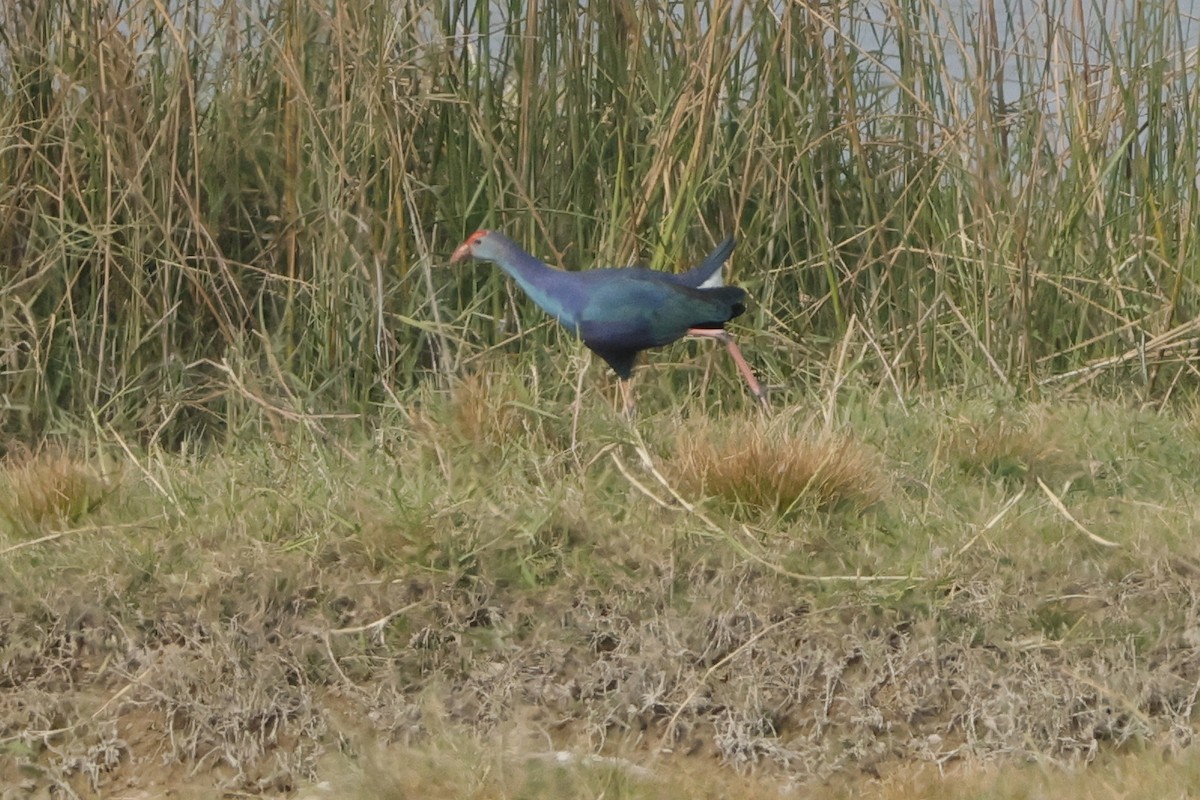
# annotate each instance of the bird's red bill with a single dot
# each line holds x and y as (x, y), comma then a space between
(464, 250)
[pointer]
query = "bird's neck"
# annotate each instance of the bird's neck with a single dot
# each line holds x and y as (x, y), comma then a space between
(537, 279)
(524, 268)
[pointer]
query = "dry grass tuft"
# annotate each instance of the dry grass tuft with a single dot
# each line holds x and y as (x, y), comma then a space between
(762, 465)
(1012, 449)
(48, 487)
(488, 408)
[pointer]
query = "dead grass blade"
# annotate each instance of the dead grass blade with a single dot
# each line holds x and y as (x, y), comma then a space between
(1062, 509)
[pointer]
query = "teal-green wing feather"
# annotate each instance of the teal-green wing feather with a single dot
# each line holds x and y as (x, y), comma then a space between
(637, 310)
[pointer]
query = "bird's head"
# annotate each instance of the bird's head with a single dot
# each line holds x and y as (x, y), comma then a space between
(482, 245)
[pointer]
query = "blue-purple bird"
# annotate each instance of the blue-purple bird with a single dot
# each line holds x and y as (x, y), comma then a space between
(620, 311)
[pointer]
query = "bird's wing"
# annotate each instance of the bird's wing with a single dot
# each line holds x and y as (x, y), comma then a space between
(637, 309)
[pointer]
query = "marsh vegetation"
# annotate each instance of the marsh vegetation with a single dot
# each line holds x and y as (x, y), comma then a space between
(285, 503)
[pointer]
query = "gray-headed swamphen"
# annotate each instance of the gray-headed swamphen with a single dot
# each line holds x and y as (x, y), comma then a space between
(620, 311)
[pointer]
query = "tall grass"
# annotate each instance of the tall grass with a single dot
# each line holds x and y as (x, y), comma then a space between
(208, 210)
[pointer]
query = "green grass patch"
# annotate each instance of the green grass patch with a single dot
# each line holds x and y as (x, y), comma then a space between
(501, 598)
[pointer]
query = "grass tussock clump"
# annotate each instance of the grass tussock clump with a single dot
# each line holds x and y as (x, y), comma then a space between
(48, 487)
(763, 465)
(1013, 449)
(486, 409)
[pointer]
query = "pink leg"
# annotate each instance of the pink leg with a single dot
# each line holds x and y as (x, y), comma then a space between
(747, 373)
(627, 396)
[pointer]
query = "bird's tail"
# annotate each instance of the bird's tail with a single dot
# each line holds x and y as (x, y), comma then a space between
(707, 274)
